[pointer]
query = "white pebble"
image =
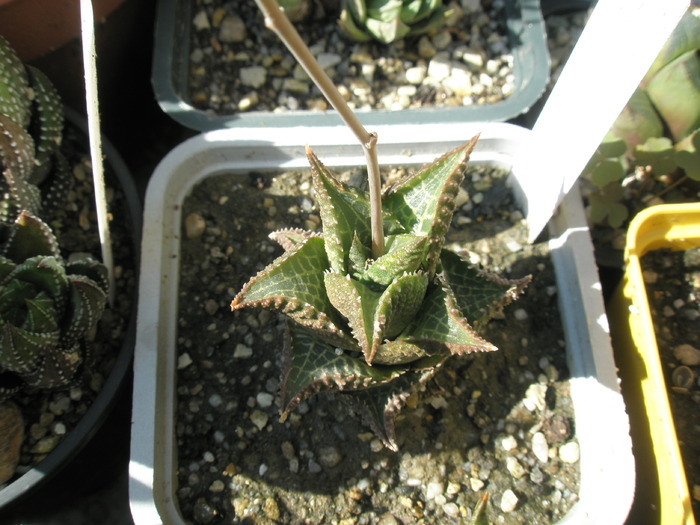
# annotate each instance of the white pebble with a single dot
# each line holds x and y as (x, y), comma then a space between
(509, 501)
(540, 448)
(520, 314)
(509, 443)
(264, 399)
(569, 452)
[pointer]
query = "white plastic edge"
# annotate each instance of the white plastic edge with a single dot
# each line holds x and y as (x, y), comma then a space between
(243, 149)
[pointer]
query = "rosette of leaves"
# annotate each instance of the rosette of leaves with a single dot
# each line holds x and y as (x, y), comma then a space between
(389, 20)
(31, 129)
(658, 128)
(377, 328)
(48, 307)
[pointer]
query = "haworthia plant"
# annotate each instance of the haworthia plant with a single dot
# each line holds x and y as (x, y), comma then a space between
(389, 20)
(377, 328)
(47, 307)
(31, 127)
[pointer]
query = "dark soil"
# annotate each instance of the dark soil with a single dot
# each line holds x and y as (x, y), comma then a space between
(673, 288)
(469, 431)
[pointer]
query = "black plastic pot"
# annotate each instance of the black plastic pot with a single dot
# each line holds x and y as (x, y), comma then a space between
(18, 491)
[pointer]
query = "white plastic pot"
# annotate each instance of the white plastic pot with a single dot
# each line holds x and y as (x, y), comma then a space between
(602, 426)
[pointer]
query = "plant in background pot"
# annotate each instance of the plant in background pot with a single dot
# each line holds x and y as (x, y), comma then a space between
(53, 294)
(656, 136)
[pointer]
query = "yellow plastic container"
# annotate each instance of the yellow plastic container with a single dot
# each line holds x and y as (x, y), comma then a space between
(662, 494)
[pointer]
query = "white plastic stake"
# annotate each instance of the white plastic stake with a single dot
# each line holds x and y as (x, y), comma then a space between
(615, 49)
(93, 118)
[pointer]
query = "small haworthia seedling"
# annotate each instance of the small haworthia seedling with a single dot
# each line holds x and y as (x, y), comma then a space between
(377, 328)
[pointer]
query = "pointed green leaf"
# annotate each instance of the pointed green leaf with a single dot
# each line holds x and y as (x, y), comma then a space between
(344, 213)
(399, 304)
(314, 366)
(440, 326)
(291, 237)
(357, 302)
(49, 112)
(424, 203)
(478, 294)
(14, 86)
(293, 284)
(30, 237)
(357, 257)
(404, 253)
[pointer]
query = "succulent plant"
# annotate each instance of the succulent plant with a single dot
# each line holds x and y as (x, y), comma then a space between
(48, 307)
(31, 128)
(389, 20)
(657, 129)
(377, 329)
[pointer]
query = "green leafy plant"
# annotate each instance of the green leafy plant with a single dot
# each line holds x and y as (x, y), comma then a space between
(658, 128)
(31, 129)
(389, 20)
(48, 307)
(377, 328)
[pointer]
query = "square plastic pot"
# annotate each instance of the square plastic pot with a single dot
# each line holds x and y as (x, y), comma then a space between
(602, 428)
(659, 462)
(528, 45)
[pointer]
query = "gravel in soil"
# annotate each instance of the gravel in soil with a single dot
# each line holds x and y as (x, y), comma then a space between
(500, 422)
(237, 65)
(673, 287)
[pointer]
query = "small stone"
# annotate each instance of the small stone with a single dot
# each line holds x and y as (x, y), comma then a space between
(520, 314)
(259, 419)
(45, 445)
(183, 361)
(248, 101)
(314, 467)
(271, 509)
(329, 456)
(509, 443)
(439, 67)
(540, 447)
(569, 452)
(434, 489)
(232, 29)
(515, 468)
(696, 492)
(451, 510)
(687, 355)
(327, 60)
(264, 399)
(253, 76)
(415, 75)
(476, 484)
(426, 48)
(203, 512)
(509, 501)
(201, 21)
(294, 85)
(194, 225)
(288, 450)
(535, 397)
(217, 486)
(242, 351)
